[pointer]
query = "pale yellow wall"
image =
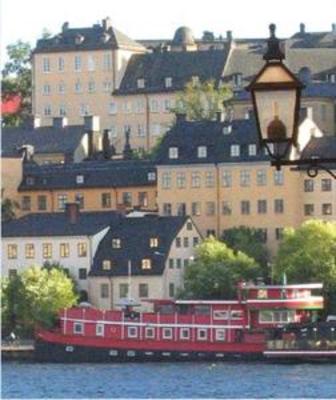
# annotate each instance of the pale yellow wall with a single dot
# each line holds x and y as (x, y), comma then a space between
(11, 176)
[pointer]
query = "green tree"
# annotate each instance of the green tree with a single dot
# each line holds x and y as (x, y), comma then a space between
(34, 298)
(17, 80)
(308, 254)
(202, 100)
(217, 270)
(8, 208)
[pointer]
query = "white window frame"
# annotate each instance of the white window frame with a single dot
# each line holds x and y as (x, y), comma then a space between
(77, 63)
(132, 332)
(202, 152)
(199, 337)
(149, 335)
(252, 150)
(78, 325)
(91, 63)
(79, 179)
(227, 129)
(164, 333)
(184, 330)
(112, 108)
(140, 83)
(173, 153)
(60, 64)
(220, 335)
(168, 82)
(100, 329)
(151, 176)
(46, 65)
(46, 89)
(235, 150)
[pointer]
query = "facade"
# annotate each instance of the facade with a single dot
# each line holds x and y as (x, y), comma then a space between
(95, 185)
(142, 258)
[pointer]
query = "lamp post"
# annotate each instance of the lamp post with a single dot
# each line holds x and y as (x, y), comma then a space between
(276, 95)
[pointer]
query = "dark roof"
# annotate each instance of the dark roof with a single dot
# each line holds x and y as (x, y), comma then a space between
(93, 38)
(135, 234)
(58, 224)
(320, 147)
(181, 66)
(105, 173)
(46, 139)
(183, 36)
(188, 135)
(310, 40)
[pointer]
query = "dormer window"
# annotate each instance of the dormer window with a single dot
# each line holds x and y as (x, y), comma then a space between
(195, 80)
(227, 129)
(252, 150)
(140, 83)
(116, 243)
(79, 39)
(202, 152)
(173, 152)
(146, 263)
(151, 176)
(79, 179)
(235, 150)
(237, 79)
(106, 265)
(168, 82)
(153, 242)
(332, 78)
(30, 180)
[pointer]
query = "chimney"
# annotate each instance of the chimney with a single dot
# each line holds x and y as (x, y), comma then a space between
(27, 150)
(107, 144)
(72, 212)
(180, 117)
(91, 126)
(302, 28)
(307, 112)
(106, 23)
(229, 35)
(36, 122)
(65, 27)
(60, 122)
(220, 116)
(333, 28)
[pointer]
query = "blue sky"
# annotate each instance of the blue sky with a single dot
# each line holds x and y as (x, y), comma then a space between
(25, 19)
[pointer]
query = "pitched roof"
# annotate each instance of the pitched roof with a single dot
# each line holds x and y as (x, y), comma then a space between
(46, 139)
(320, 147)
(180, 66)
(309, 40)
(105, 173)
(58, 224)
(135, 234)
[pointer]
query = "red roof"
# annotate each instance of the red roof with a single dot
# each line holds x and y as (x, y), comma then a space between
(11, 105)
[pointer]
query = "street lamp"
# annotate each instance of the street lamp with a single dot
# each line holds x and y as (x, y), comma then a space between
(276, 95)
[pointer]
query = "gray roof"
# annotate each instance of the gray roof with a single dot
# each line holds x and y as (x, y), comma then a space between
(46, 139)
(321, 147)
(134, 234)
(104, 173)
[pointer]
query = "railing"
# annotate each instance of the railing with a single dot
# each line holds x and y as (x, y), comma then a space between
(301, 344)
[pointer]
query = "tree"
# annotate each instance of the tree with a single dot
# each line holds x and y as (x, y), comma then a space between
(8, 208)
(17, 80)
(217, 270)
(308, 254)
(249, 241)
(202, 100)
(34, 298)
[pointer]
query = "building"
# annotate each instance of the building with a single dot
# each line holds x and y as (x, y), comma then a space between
(100, 185)
(142, 258)
(70, 238)
(215, 172)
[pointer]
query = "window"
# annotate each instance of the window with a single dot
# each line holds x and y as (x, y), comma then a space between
(106, 200)
(277, 316)
(220, 335)
(326, 185)
(127, 199)
(82, 273)
(209, 179)
(60, 64)
(116, 243)
(308, 185)
(202, 334)
(151, 176)
(104, 291)
(168, 82)
(210, 208)
(64, 250)
(245, 207)
(12, 251)
(171, 263)
(107, 62)
(46, 89)
(226, 208)
(196, 209)
(278, 233)
(153, 242)
(47, 250)
(61, 88)
(26, 203)
(79, 179)
(154, 106)
(278, 206)
(326, 209)
(202, 152)
(47, 110)
(178, 263)
(146, 263)
(167, 105)
(173, 152)
(226, 178)
(149, 332)
(189, 226)
(185, 333)
(211, 232)
(245, 178)
(106, 265)
(107, 86)
(167, 209)
(167, 333)
(237, 80)
(278, 178)
(180, 180)
(262, 206)
(185, 242)
(78, 87)
(178, 242)
(263, 235)
(140, 83)
(46, 64)
(99, 329)
(62, 110)
(143, 290)
(84, 110)
(139, 106)
(171, 290)
(82, 249)
(12, 273)
(78, 328)
(61, 201)
(235, 150)
(261, 177)
(166, 180)
(195, 180)
(141, 130)
(143, 199)
(78, 63)
(195, 80)
(29, 250)
(91, 63)
(181, 209)
(252, 150)
(91, 87)
(309, 209)
(227, 129)
(79, 199)
(123, 290)
(195, 241)
(185, 262)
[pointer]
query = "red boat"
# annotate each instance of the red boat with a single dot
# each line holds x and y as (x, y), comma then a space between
(257, 324)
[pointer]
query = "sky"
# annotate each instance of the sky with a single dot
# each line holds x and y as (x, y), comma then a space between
(142, 19)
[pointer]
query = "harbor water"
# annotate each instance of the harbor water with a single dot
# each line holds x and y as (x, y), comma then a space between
(167, 380)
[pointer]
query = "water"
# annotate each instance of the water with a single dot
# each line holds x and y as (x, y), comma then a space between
(167, 380)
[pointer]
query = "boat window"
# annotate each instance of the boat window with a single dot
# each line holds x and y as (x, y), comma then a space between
(202, 334)
(278, 316)
(78, 328)
(100, 330)
(236, 314)
(166, 309)
(220, 335)
(167, 333)
(220, 314)
(184, 333)
(149, 332)
(132, 332)
(262, 294)
(202, 309)
(183, 309)
(265, 316)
